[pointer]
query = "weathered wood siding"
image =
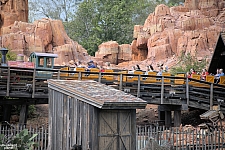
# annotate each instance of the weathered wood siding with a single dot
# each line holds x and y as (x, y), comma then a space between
(71, 121)
(117, 130)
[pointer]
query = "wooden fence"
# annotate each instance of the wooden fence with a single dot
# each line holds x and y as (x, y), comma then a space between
(148, 137)
(182, 138)
(11, 130)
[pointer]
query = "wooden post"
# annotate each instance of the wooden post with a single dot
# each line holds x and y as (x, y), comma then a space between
(23, 114)
(79, 76)
(121, 82)
(161, 115)
(8, 82)
(187, 91)
(58, 77)
(99, 77)
(168, 119)
(7, 112)
(33, 86)
(162, 90)
(139, 86)
(211, 96)
(177, 118)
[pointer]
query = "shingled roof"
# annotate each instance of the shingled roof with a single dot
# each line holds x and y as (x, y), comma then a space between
(97, 94)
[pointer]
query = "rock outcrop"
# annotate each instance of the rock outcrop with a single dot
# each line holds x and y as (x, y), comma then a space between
(113, 52)
(167, 32)
(192, 28)
(43, 35)
(11, 11)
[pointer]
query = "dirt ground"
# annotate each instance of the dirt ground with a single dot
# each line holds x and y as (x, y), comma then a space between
(40, 116)
(149, 115)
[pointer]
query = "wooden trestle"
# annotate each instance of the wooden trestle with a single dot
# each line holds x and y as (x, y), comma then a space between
(22, 86)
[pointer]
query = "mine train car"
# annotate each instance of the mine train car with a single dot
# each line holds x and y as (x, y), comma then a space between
(36, 60)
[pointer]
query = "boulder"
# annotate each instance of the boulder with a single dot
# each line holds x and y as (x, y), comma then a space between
(108, 52)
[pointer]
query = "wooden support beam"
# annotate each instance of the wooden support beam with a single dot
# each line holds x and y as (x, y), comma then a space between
(168, 119)
(79, 76)
(161, 115)
(99, 77)
(23, 115)
(162, 90)
(187, 91)
(58, 76)
(139, 86)
(33, 85)
(8, 82)
(177, 118)
(121, 82)
(169, 107)
(6, 113)
(211, 96)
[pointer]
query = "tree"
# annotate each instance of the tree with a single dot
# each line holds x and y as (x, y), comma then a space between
(174, 2)
(186, 62)
(55, 9)
(98, 21)
(93, 22)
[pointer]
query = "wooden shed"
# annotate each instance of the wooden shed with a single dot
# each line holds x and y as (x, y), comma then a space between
(90, 114)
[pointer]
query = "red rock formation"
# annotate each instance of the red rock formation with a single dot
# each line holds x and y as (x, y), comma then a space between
(113, 52)
(192, 28)
(124, 53)
(43, 35)
(11, 11)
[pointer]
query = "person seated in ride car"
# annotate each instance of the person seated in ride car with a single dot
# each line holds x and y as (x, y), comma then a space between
(159, 73)
(188, 75)
(217, 76)
(219, 72)
(91, 65)
(204, 74)
(192, 71)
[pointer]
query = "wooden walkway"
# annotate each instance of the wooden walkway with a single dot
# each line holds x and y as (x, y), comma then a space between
(23, 86)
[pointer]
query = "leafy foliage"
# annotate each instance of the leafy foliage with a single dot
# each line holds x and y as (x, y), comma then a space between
(22, 140)
(186, 62)
(55, 9)
(92, 22)
(98, 21)
(10, 56)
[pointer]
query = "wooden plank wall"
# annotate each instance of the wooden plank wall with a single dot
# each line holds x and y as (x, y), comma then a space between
(71, 122)
(117, 129)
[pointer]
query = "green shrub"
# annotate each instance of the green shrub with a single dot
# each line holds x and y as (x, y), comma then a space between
(10, 56)
(186, 62)
(20, 141)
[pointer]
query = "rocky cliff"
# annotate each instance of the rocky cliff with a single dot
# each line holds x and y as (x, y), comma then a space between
(11, 11)
(168, 32)
(43, 35)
